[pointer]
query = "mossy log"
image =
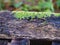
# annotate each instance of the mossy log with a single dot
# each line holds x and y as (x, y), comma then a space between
(28, 29)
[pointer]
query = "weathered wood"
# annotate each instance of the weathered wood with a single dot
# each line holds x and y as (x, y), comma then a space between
(31, 30)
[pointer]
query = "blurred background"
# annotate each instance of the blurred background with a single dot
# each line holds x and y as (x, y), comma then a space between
(30, 5)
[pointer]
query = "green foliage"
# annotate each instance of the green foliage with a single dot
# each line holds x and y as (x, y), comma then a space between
(1, 5)
(58, 3)
(46, 5)
(18, 4)
(26, 7)
(42, 6)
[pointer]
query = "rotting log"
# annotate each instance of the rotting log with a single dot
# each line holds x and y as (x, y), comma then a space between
(17, 29)
(14, 28)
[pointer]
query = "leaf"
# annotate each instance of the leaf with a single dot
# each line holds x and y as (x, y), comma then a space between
(58, 3)
(18, 4)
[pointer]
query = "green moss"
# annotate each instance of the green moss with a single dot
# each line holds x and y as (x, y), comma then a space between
(22, 14)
